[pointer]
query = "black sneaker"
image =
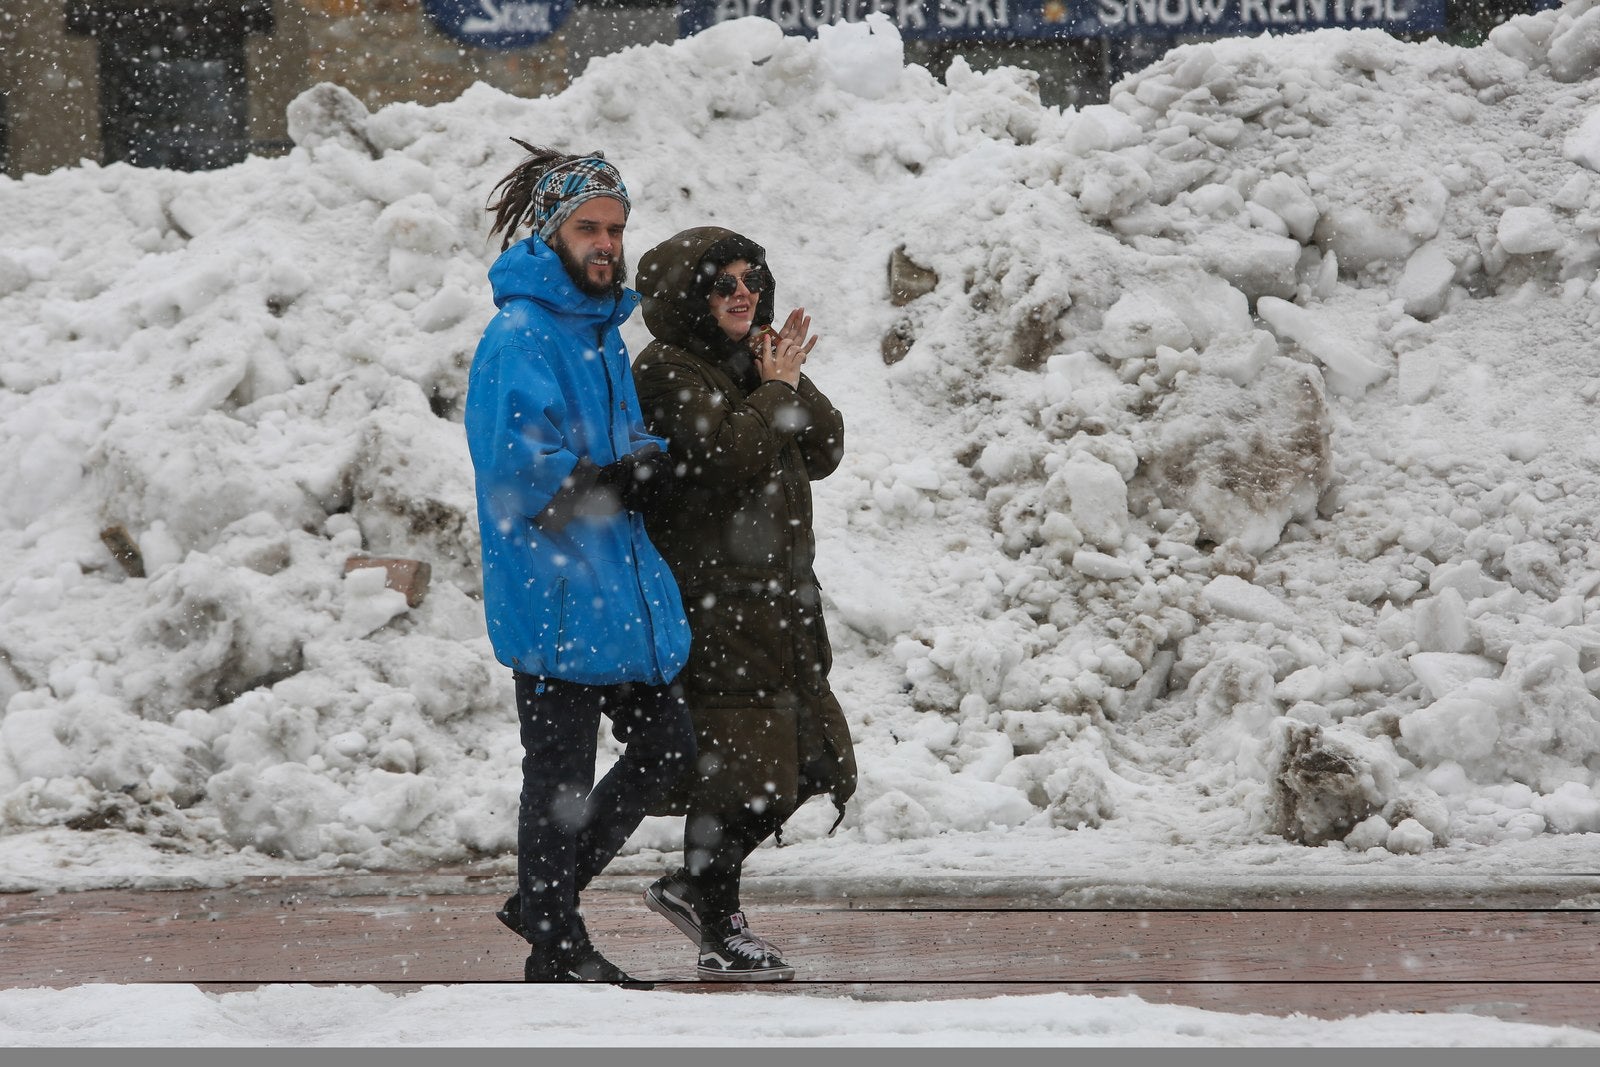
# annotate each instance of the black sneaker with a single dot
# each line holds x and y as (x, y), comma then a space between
(730, 953)
(577, 960)
(675, 899)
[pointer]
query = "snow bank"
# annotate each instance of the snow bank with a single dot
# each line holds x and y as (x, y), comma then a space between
(1235, 477)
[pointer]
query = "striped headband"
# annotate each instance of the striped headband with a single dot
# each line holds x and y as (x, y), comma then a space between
(567, 185)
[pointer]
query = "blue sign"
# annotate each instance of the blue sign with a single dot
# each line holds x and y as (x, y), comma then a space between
(499, 24)
(1037, 19)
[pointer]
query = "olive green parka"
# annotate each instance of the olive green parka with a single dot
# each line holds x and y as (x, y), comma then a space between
(734, 525)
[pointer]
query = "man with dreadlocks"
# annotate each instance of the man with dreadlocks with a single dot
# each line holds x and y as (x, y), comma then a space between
(579, 603)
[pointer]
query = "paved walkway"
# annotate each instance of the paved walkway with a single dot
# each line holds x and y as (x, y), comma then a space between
(1488, 957)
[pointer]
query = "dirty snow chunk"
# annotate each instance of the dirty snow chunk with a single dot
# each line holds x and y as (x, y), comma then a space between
(1410, 838)
(1426, 281)
(1230, 595)
(1099, 565)
(1575, 49)
(1242, 461)
(1349, 370)
(1526, 230)
(1582, 145)
(1442, 673)
(1441, 623)
(864, 58)
(328, 113)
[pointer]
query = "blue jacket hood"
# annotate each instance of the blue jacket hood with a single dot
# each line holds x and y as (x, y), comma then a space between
(532, 270)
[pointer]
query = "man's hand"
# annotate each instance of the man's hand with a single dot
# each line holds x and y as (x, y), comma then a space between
(633, 482)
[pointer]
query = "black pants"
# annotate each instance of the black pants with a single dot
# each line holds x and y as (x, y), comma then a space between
(715, 844)
(568, 827)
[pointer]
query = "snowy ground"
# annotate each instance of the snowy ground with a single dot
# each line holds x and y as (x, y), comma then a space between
(550, 1017)
(1226, 510)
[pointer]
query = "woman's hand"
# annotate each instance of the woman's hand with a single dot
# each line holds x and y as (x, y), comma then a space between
(780, 359)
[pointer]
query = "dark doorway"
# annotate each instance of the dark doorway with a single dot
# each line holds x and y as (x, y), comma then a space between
(173, 87)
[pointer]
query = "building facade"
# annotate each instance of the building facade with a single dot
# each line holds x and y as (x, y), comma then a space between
(195, 84)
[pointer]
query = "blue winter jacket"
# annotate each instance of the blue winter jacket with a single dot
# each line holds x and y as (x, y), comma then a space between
(591, 601)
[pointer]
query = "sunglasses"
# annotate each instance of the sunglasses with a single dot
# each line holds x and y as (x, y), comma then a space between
(756, 280)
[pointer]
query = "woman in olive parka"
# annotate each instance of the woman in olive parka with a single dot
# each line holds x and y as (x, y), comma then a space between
(747, 433)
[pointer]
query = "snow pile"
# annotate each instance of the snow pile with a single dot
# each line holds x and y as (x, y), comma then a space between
(1233, 483)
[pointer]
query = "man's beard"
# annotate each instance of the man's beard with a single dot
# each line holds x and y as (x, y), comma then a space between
(577, 270)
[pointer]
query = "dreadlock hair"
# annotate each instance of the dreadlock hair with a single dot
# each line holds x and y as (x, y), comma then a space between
(515, 206)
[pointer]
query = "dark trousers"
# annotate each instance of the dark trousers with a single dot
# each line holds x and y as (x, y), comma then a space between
(568, 827)
(715, 844)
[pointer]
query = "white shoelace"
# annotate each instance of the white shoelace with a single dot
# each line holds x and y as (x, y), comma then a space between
(743, 940)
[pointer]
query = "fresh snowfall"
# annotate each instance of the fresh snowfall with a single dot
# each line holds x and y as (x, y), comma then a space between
(1218, 514)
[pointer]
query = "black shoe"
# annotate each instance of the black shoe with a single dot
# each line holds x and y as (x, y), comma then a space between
(577, 960)
(673, 898)
(511, 915)
(730, 953)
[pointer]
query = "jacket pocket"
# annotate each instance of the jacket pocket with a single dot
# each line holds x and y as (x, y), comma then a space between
(561, 614)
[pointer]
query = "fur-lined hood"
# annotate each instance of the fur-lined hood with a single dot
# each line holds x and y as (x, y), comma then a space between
(675, 280)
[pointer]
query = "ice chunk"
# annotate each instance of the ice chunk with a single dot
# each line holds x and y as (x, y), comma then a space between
(1463, 726)
(1288, 197)
(1574, 50)
(1097, 499)
(1526, 230)
(1139, 323)
(1099, 565)
(1442, 673)
(864, 58)
(1410, 837)
(1230, 595)
(1442, 624)
(1348, 367)
(1582, 145)
(1426, 281)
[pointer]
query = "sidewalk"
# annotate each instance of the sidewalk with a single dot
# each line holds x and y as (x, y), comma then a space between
(1327, 958)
